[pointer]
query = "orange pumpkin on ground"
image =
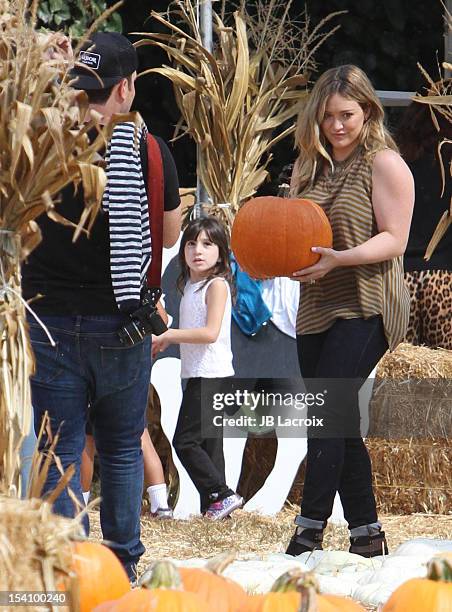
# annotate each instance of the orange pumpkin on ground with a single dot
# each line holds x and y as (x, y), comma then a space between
(273, 602)
(273, 236)
(432, 594)
(100, 573)
(294, 587)
(220, 593)
(155, 600)
(160, 592)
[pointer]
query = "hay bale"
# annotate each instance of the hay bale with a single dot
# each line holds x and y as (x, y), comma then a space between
(409, 476)
(411, 408)
(409, 361)
(411, 412)
(35, 549)
(412, 475)
(412, 395)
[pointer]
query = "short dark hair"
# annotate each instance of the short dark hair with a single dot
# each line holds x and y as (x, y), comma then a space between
(100, 96)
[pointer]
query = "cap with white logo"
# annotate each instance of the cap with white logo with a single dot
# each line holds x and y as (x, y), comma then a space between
(103, 61)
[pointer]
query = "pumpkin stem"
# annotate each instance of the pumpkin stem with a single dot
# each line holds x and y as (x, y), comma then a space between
(218, 564)
(161, 575)
(295, 580)
(440, 568)
(308, 600)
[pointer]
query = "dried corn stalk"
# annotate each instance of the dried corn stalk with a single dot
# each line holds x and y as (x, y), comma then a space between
(234, 99)
(44, 146)
(440, 100)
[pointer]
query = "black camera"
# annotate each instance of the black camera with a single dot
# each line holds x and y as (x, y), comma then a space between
(144, 321)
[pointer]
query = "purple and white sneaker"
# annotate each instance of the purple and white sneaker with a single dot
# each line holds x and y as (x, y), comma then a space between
(223, 508)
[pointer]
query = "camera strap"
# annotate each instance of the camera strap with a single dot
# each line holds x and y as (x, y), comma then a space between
(155, 192)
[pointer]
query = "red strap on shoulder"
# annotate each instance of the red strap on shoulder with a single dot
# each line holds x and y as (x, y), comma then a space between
(155, 203)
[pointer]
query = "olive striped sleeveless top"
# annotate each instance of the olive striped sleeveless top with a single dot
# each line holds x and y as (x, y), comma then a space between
(354, 291)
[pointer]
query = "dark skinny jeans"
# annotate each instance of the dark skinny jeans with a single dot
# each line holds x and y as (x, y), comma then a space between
(350, 348)
(199, 444)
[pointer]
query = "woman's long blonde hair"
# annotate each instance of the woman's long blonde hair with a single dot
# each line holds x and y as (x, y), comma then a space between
(348, 81)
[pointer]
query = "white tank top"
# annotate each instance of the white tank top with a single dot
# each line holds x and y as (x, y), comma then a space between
(212, 360)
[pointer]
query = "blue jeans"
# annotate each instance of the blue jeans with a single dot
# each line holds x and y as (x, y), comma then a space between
(26, 454)
(90, 367)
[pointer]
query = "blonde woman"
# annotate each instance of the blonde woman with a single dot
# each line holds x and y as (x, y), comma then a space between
(354, 305)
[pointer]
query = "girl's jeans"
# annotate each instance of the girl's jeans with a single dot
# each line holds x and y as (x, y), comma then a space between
(90, 367)
(349, 349)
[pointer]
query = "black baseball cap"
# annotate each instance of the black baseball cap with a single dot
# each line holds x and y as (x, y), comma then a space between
(109, 57)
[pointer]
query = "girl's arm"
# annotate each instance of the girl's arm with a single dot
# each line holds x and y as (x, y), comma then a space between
(392, 202)
(216, 297)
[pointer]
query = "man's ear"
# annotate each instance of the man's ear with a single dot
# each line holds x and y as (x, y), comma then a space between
(121, 90)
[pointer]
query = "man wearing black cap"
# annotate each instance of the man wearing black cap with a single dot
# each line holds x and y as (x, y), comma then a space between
(90, 288)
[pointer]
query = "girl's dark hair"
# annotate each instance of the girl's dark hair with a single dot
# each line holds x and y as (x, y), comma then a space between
(216, 233)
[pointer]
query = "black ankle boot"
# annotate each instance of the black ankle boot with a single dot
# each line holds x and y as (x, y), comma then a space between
(305, 540)
(369, 545)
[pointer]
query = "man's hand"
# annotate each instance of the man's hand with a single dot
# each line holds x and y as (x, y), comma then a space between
(59, 48)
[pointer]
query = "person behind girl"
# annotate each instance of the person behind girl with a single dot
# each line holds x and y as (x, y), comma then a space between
(354, 304)
(154, 477)
(205, 350)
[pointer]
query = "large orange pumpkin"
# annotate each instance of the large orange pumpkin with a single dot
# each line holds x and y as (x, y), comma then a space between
(273, 602)
(100, 573)
(220, 593)
(294, 587)
(291, 602)
(155, 600)
(433, 593)
(161, 592)
(273, 236)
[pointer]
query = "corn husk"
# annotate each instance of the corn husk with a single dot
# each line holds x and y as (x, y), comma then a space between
(36, 556)
(44, 146)
(239, 100)
(36, 552)
(439, 99)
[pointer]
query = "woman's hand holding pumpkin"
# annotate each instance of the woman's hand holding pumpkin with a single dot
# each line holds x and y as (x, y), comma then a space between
(329, 259)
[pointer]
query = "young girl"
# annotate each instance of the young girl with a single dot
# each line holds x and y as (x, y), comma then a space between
(205, 350)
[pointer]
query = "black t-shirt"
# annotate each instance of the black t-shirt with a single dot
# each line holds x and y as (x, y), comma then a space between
(429, 207)
(74, 277)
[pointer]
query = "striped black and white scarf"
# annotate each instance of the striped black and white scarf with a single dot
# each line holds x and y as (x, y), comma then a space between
(126, 203)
